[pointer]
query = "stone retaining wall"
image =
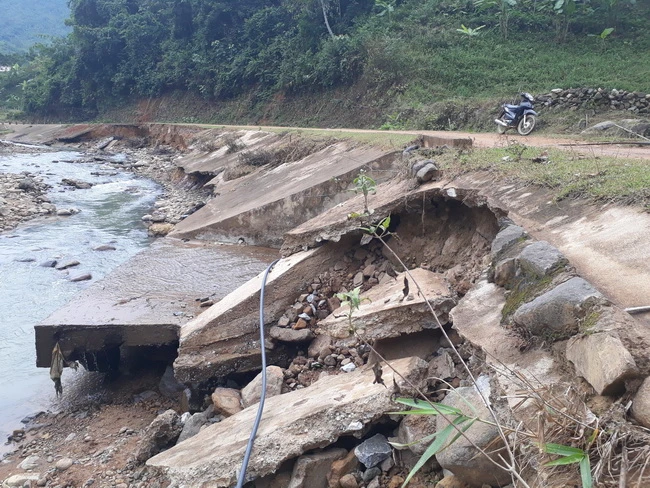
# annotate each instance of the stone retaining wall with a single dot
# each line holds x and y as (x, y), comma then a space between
(596, 98)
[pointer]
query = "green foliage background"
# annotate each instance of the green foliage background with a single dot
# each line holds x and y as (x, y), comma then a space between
(408, 50)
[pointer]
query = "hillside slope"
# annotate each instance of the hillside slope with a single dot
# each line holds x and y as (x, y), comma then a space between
(25, 22)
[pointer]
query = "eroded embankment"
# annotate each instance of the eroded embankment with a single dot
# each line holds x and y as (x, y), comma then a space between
(453, 286)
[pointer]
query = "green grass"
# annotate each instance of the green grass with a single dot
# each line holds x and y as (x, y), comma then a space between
(566, 174)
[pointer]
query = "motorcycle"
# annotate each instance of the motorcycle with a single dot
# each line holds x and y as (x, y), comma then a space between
(521, 117)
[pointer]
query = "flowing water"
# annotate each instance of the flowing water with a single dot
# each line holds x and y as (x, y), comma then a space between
(110, 213)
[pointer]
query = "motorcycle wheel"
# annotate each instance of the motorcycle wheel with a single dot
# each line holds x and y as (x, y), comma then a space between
(526, 125)
(501, 129)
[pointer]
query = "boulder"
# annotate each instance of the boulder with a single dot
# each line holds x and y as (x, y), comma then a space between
(461, 457)
(293, 423)
(556, 314)
(373, 451)
(311, 471)
(540, 259)
(227, 401)
(415, 427)
(21, 480)
(342, 467)
(505, 271)
(283, 334)
(63, 464)
(506, 238)
(603, 361)
(30, 462)
(160, 229)
(169, 386)
(160, 434)
(641, 404)
(193, 425)
(429, 172)
(252, 392)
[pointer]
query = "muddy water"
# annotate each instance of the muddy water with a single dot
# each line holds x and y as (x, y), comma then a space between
(110, 214)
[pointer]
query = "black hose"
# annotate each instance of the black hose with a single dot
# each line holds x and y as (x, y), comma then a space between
(256, 424)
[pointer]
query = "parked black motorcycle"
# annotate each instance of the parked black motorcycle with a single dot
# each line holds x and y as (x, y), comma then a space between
(521, 117)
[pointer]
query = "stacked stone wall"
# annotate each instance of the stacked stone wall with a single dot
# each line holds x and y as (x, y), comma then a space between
(597, 99)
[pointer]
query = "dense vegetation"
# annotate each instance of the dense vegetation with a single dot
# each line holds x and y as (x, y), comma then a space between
(25, 22)
(416, 51)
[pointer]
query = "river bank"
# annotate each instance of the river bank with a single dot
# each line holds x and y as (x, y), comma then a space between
(25, 200)
(470, 243)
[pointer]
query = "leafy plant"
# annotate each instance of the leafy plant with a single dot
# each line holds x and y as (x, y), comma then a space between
(387, 7)
(365, 185)
(505, 7)
(458, 425)
(571, 455)
(353, 300)
(468, 31)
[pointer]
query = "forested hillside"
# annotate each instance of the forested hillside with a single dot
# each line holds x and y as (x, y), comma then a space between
(414, 51)
(25, 22)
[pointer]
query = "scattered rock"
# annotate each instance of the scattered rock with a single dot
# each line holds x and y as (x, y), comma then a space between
(342, 467)
(506, 238)
(30, 462)
(414, 428)
(461, 457)
(63, 464)
(227, 401)
(348, 481)
(81, 185)
(540, 259)
(602, 360)
(291, 335)
(51, 263)
(67, 264)
(320, 346)
(252, 392)
(555, 314)
(20, 480)
(373, 451)
(105, 247)
(641, 404)
(311, 471)
(452, 482)
(169, 386)
(429, 172)
(505, 271)
(81, 276)
(193, 425)
(160, 229)
(160, 434)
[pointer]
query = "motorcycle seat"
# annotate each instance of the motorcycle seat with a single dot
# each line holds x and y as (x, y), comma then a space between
(511, 107)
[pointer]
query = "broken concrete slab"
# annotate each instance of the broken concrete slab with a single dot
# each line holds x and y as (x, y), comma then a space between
(477, 318)
(386, 312)
(602, 360)
(556, 314)
(291, 193)
(144, 301)
(213, 150)
(226, 336)
(291, 424)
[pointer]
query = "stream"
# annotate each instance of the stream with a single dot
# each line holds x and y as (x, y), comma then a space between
(109, 215)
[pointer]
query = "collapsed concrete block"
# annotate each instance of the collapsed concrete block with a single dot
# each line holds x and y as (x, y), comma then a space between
(387, 312)
(292, 424)
(225, 338)
(556, 314)
(603, 361)
(540, 258)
